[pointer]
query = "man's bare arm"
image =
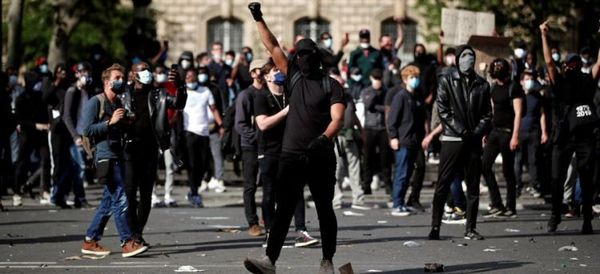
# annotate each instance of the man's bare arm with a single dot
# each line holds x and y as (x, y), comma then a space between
(268, 39)
(552, 71)
(337, 119)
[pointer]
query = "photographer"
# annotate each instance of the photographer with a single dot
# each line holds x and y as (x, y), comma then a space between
(315, 116)
(104, 121)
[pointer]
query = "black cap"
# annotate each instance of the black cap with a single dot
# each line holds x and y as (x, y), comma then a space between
(306, 45)
(364, 34)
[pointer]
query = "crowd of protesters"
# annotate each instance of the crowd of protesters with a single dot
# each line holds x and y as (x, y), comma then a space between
(89, 121)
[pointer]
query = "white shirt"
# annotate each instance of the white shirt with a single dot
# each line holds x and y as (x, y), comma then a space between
(195, 113)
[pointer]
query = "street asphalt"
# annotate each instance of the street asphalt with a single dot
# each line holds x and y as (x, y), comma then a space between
(214, 239)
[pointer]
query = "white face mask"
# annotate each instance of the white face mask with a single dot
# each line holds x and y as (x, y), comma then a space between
(145, 77)
(229, 62)
(12, 80)
(364, 45)
(555, 57)
(450, 59)
(202, 77)
(161, 78)
(584, 60)
(529, 84)
(520, 53)
(327, 43)
(192, 86)
(185, 64)
(356, 77)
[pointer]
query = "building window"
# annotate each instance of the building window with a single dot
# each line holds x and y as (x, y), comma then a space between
(310, 28)
(230, 32)
(388, 26)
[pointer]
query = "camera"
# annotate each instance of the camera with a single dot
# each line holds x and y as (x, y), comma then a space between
(126, 102)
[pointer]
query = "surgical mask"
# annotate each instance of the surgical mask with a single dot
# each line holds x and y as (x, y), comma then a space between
(555, 57)
(529, 84)
(161, 78)
(145, 77)
(117, 86)
(217, 57)
(185, 64)
(44, 68)
(356, 77)
(229, 62)
(450, 59)
(466, 63)
(12, 80)
(520, 53)
(327, 43)
(202, 77)
(97, 56)
(249, 57)
(394, 71)
(584, 60)
(414, 82)
(279, 78)
(364, 45)
(192, 86)
(587, 70)
(85, 80)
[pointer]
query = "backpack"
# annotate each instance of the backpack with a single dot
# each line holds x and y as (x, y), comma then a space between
(88, 143)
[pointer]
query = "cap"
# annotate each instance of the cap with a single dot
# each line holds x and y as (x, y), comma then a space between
(257, 64)
(364, 34)
(306, 44)
(573, 57)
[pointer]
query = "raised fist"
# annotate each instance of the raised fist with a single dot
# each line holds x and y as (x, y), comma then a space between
(255, 10)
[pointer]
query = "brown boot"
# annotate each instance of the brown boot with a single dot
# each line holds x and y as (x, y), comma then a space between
(132, 248)
(255, 231)
(94, 248)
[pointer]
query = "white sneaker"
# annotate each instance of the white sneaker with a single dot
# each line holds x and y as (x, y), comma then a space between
(17, 201)
(596, 209)
(360, 207)
(400, 212)
(156, 202)
(375, 183)
(203, 186)
(346, 183)
(45, 199)
(217, 185)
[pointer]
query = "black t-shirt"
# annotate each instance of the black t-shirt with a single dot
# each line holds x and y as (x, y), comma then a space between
(310, 108)
(504, 113)
(266, 103)
(569, 92)
(532, 112)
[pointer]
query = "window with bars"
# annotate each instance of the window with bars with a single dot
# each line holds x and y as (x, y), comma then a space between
(229, 31)
(310, 28)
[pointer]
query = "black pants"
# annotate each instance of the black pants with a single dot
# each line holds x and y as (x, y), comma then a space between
(453, 157)
(582, 144)
(529, 143)
(250, 173)
(198, 148)
(417, 179)
(318, 170)
(30, 139)
(498, 142)
(269, 166)
(62, 162)
(140, 175)
(377, 142)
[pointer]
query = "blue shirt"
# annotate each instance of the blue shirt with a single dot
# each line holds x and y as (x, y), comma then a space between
(107, 138)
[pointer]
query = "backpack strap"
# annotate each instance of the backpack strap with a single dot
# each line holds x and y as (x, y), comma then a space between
(294, 81)
(327, 84)
(102, 99)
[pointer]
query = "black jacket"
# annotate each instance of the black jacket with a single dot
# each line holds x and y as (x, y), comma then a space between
(406, 120)
(374, 108)
(465, 112)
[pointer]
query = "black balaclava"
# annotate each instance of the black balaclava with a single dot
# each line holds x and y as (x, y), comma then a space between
(465, 60)
(572, 67)
(308, 58)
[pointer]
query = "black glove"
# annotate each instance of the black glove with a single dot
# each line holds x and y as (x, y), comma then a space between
(320, 143)
(255, 10)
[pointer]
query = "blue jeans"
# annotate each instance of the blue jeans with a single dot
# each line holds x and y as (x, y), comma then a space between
(77, 153)
(405, 164)
(458, 195)
(114, 202)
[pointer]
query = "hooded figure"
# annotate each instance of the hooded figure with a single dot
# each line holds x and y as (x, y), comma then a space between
(465, 111)
(308, 59)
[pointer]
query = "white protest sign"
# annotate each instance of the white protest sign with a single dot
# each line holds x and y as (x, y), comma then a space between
(459, 25)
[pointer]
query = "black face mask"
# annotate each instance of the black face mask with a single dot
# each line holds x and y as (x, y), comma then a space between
(309, 64)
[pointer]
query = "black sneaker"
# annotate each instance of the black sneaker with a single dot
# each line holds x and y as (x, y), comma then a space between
(473, 235)
(587, 228)
(434, 235)
(416, 205)
(553, 223)
(62, 205)
(262, 266)
(493, 212)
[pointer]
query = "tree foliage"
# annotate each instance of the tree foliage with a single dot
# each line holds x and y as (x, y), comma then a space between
(104, 22)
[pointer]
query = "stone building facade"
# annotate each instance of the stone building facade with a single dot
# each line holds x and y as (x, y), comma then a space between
(194, 24)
